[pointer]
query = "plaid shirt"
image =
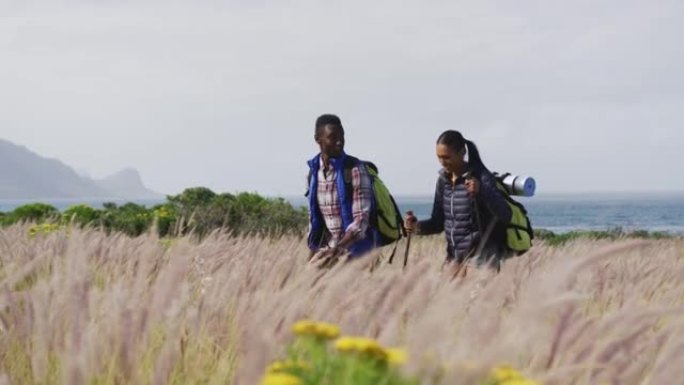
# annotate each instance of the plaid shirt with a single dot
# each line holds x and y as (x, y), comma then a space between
(331, 210)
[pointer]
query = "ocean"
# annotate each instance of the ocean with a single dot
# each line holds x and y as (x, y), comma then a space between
(558, 213)
(562, 213)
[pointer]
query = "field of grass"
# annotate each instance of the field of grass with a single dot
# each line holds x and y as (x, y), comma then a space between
(83, 307)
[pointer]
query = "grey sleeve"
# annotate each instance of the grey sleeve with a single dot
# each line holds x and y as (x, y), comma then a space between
(435, 224)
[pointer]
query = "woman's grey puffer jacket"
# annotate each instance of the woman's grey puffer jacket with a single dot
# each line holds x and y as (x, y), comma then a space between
(464, 220)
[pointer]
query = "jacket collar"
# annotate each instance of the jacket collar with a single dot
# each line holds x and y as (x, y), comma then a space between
(336, 163)
(446, 174)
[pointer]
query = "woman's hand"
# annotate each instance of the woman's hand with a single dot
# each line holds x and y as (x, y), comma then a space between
(472, 185)
(410, 222)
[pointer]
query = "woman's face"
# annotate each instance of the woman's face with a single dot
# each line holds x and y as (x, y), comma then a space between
(450, 159)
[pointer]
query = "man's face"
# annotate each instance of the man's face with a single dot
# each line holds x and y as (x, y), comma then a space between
(331, 140)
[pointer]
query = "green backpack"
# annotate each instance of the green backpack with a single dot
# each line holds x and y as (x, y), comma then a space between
(519, 233)
(386, 216)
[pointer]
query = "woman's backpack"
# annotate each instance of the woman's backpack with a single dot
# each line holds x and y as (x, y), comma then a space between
(519, 233)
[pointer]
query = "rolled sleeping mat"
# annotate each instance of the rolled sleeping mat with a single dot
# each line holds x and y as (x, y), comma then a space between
(520, 185)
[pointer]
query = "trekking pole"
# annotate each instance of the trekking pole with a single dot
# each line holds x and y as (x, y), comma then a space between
(406, 253)
(394, 251)
(408, 238)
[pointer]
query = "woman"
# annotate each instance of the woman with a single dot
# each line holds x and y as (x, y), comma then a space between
(467, 207)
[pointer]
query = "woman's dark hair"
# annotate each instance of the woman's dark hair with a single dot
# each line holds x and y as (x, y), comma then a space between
(456, 141)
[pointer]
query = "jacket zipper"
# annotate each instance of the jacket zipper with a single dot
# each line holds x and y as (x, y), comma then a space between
(453, 218)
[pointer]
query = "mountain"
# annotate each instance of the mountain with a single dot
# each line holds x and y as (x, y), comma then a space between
(127, 183)
(27, 175)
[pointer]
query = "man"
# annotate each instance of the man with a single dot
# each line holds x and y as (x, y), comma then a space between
(340, 198)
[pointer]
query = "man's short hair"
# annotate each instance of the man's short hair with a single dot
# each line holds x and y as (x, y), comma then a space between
(326, 119)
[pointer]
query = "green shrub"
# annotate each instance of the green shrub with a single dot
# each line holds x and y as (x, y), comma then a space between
(244, 213)
(554, 239)
(81, 214)
(196, 210)
(33, 212)
(131, 218)
(165, 217)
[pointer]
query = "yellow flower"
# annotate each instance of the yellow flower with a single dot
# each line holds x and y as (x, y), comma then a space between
(304, 327)
(370, 346)
(360, 345)
(317, 329)
(396, 356)
(283, 366)
(506, 373)
(346, 344)
(327, 330)
(280, 379)
(43, 228)
(520, 381)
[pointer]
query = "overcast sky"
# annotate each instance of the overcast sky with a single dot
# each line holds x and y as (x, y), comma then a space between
(582, 95)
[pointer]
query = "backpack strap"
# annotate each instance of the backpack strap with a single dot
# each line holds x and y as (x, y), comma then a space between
(484, 238)
(400, 219)
(349, 163)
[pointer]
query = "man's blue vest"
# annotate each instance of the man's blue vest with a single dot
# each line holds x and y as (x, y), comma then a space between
(316, 219)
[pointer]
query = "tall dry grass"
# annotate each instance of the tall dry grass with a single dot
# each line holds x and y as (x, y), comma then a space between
(83, 307)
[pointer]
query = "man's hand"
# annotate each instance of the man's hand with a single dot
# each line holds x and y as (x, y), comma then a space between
(326, 257)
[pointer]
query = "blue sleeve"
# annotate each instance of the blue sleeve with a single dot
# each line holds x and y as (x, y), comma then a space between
(493, 199)
(435, 224)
